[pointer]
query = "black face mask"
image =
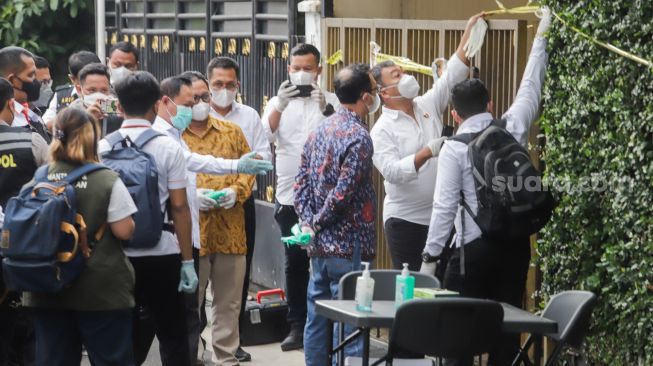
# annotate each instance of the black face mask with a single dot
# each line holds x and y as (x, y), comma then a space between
(32, 89)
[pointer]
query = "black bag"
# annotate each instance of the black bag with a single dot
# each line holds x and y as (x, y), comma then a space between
(265, 321)
(512, 202)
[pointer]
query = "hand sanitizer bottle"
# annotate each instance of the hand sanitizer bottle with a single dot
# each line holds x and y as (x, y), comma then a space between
(364, 290)
(404, 286)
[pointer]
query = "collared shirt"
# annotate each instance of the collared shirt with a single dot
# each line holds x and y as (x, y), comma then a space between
(171, 168)
(398, 137)
(19, 116)
(52, 107)
(191, 185)
(222, 230)
(248, 120)
(39, 147)
(455, 170)
(334, 193)
(298, 120)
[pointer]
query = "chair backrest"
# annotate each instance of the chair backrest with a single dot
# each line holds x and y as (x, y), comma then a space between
(573, 311)
(448, 327)
(384, 283)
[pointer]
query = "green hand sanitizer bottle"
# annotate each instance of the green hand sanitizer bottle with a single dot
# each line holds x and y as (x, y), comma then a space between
(364, 290)
(404, 286)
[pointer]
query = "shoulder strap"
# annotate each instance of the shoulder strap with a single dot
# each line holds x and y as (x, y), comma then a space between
(465, 138)
(113, 138)
(500, 123)
(146, 137)
(82, 170)
(41, 174)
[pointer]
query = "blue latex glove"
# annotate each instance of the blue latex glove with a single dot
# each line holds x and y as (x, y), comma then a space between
(302, 236)
(247, 164)
(189, 281)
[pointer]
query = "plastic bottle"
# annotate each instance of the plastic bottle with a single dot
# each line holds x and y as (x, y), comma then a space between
(364, 290)
(404, 286)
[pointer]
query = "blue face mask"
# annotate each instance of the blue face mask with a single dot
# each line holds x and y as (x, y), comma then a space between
(182, 119)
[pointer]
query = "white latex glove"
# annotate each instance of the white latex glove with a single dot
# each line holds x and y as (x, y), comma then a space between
(428, 268)
(318, 96)
(544, 13)
(229, 199)
(435, 145)
(206, 203)
(476, 38)
(286, 92)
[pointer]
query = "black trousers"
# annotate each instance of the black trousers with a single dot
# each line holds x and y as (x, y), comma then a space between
(191, 301)
(250, 233)
(406, 241)
(160, 310)
(17, 343)
(106, 335)
(297, 266)
(497, 271)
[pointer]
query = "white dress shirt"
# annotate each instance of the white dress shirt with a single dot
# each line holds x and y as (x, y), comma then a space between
(249, 121)
(19, 116)
(454, 168)
(298, 120)
(191, 177)
(171, 168)
(397, 137)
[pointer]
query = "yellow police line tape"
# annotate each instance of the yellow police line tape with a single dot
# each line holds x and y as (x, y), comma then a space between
(405, 63)
(409, 65)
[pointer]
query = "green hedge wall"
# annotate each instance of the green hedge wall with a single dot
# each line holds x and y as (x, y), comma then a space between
(598, 120)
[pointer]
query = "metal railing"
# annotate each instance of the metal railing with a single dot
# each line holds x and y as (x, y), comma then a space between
(500, 63)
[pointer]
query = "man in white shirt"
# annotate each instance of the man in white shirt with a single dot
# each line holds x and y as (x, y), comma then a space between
(17, 65)
(224, 81)
(166, 269)
(492, 269)
(288, 120)
(407, 138)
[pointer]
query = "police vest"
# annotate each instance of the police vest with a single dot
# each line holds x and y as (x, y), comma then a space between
(17, 164)
(64, 95)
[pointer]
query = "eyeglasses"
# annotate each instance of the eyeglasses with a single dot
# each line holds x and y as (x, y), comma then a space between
(220, 85)
(206, 97)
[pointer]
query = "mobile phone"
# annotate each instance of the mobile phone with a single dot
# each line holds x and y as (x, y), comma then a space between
(304, 90)
(109, 106)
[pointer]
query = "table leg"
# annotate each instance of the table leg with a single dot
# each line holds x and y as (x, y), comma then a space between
(537, 352)
(341, 338)
(329, 342)
(366, 346)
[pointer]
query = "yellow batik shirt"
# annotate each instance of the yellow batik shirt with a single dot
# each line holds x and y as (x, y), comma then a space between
(222, 231)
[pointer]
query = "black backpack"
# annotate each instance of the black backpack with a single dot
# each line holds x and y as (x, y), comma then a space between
(512, 202)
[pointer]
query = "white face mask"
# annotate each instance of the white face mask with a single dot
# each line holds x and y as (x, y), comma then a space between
(302, 77)
(119, 74)
(375, 106)
(201, 111)
(90, 99)
(407, 86)
(223, 97)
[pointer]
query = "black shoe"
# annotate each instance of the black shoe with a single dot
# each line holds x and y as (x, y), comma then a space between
(242, 356)
(294, 339)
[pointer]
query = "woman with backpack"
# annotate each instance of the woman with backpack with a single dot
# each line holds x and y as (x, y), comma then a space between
(96, 309)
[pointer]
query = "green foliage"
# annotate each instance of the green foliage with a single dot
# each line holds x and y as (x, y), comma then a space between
(598, 118)
(50, 28)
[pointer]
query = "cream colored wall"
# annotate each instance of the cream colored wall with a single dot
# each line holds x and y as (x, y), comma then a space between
(420, 9)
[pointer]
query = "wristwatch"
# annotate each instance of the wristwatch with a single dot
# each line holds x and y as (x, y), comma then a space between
(427, 258)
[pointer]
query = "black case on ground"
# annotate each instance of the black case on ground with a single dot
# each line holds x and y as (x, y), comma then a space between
(265, 319)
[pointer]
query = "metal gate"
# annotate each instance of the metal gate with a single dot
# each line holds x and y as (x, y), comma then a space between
(501, 63)
(179, 35)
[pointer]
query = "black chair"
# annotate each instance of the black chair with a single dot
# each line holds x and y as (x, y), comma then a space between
(572, 310)
(458, 328)
(384, 289)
